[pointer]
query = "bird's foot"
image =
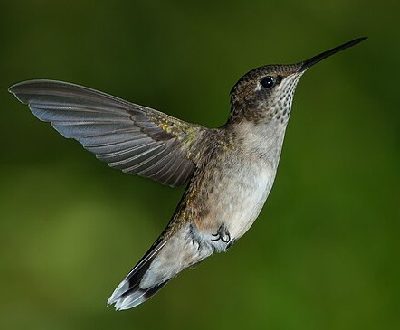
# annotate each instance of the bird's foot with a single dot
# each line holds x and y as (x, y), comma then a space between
(194, 237)
(222, 234)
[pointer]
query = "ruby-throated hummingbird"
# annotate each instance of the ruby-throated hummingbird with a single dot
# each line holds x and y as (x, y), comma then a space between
(228, 170)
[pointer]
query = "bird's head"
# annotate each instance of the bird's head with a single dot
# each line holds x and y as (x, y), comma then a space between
(265, 94)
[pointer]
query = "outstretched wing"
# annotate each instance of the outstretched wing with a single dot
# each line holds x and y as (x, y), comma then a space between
(130, 137)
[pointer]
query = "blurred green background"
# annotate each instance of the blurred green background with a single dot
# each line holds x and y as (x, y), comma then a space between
(324, 253)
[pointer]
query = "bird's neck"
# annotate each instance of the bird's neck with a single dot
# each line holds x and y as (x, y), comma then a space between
(263, 140)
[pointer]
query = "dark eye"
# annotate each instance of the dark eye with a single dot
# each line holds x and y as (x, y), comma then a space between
(267, 82)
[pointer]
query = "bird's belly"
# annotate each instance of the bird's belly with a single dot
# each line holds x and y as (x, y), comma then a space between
(240, 197)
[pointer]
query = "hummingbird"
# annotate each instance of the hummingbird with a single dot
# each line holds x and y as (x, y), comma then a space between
(228, 171)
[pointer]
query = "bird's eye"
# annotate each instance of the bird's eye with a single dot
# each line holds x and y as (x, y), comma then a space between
(267, 82)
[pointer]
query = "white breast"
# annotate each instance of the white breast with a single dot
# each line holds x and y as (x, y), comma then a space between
(248, 198)
(246, 178)
(239, 195)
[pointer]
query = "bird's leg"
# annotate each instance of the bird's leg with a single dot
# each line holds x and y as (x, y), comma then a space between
(194, 237)
(222, 234)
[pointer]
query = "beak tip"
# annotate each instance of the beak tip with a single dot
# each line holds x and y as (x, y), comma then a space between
(314, 60)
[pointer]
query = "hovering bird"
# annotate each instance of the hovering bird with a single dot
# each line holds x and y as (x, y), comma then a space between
(228, 170)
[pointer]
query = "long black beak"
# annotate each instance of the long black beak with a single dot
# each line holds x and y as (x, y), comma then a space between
(314, 60)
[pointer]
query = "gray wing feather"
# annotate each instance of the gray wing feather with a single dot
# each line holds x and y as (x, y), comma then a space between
(129, 137)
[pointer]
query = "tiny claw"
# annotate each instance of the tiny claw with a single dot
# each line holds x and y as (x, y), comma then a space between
(222, 234)
(193, 238)
(228, 236)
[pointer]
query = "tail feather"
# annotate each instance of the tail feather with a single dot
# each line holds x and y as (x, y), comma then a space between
(129, 292)
(160, 264)
(135, 296)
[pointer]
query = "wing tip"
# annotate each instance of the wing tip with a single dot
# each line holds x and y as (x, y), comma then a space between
(13, 90)
(27, 82)
(18, 88)
(22, 86)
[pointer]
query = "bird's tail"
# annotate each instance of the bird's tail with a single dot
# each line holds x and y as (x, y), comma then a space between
(133, 290)
(165, 259)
